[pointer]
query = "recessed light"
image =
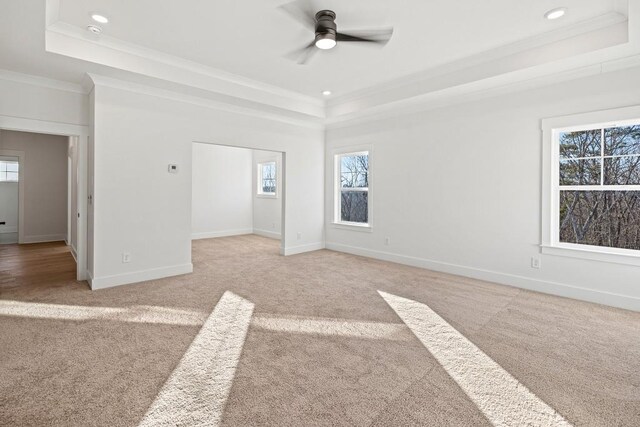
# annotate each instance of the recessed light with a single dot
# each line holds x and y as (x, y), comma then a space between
(556, 13)
(326, 92)
(94, 29)
(99, 18)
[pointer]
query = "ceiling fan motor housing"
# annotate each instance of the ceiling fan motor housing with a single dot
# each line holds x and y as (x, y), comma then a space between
(326, 25)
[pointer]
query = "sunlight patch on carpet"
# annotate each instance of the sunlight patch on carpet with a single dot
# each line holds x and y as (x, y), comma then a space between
(197, 390)
(500, 397)
(135, 314)
(333, 327)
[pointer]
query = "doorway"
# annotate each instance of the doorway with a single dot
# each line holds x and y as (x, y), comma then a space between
(9, 197)
(237, 191)
(40, 231)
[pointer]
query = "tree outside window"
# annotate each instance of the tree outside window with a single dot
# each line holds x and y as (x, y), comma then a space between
(353, 188)
(267, 178)
(599, 187)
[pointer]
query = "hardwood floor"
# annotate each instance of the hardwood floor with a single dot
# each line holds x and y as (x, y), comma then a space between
(36, 265)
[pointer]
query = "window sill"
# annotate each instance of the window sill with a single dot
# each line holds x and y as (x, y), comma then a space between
(352, 226)
(267, 196)
(627, 257)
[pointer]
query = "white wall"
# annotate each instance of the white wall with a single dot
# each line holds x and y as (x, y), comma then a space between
(267, 210)
(221, 191)
(8, 208)
(458, 189)
(35, 101)
(45, 183)
(146, 211)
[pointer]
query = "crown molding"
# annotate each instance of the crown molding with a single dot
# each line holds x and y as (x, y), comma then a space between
(552, 53)
(271, 114)
(41, 82)
(476, 91)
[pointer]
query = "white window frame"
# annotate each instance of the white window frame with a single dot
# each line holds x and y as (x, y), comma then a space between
(10, 181)
(551, 130)
(259, 191)
(337, 191)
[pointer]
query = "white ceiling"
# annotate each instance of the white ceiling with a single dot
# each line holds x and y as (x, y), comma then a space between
(251, 37)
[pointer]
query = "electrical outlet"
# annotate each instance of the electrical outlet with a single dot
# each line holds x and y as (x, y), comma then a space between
(299, 235)
(126, 257)
(387, 241)
(535, 262)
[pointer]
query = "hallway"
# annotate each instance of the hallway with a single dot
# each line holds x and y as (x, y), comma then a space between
(37, 266)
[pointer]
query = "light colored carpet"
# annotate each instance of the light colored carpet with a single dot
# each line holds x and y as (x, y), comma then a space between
(500, 397)
(323, 347)
(197, 390)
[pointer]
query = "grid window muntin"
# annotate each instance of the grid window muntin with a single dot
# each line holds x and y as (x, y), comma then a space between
(9, 171)
(596, 183)
(267, 179)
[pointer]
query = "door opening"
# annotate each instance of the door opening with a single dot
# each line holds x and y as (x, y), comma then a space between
(237, 191)
(9, 198)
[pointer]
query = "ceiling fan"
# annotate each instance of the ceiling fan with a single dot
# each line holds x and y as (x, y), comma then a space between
(326, 31)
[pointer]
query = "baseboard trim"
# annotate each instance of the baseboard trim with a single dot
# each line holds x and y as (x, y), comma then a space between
(224, 233)
(547, 287)
(44, 238)
(294, 250)
(265, 233)
(139, 276)
(8, 238)
(74, 253)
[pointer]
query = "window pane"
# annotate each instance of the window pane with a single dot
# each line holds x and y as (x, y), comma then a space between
(269, 171)
(12, 176)
(268, 178)
(622, 171)
(269, 186)
(12, 166)
(580, 172)
(622, 140)
(354, 171)
(580, 144)
(354, 206)
(601, 218)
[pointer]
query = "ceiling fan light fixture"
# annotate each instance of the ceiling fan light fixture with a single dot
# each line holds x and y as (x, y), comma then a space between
(556, 13)
(325, 41)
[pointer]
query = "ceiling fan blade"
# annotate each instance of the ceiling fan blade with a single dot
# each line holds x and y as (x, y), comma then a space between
(303, 55)
(303, 14)
(366, 36)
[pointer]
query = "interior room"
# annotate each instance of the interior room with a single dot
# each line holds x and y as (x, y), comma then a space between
(235, 191)
(314, 212)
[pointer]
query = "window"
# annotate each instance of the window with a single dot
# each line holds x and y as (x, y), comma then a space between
(8, 171)
(267, 179)
(352, 188)
(594, 191)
